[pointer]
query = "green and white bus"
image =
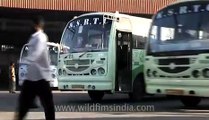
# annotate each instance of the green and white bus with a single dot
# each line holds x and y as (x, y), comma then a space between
(103, 53)
(177, 52)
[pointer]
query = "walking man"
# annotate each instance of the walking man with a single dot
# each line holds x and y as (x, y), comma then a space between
(38, 76)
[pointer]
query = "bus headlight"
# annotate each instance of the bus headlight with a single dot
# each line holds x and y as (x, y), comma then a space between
(54, 70)
(195, 73)
(148, 72)
(101, 71)
(53, 76)
(93, 72)
(60, 71)
(205, 72)
(22, 74)
(154, 73)
(64, 72)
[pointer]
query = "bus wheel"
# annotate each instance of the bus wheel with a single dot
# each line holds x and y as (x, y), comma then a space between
(96, 95)
(190, 101)
(138, 90)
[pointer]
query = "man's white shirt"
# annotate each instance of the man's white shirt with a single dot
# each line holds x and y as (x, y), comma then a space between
(38, 57)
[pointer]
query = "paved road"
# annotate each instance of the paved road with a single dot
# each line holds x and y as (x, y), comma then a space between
(154, 108)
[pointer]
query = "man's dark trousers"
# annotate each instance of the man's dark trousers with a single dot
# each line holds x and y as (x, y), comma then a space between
(30, 90)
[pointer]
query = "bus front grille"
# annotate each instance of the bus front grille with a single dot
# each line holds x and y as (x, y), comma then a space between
(174, 70)
(83, 74)
(176, 61)
(80, 68)
(79, 62)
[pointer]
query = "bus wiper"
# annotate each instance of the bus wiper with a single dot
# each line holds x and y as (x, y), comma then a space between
(82, 54)
(92, 50)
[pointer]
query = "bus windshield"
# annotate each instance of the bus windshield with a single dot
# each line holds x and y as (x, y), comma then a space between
(184, 30)
(88, 33)
(24, 52)
(53, 53)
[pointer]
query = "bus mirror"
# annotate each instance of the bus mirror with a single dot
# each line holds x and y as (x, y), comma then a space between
(64, 49)
(55, 49)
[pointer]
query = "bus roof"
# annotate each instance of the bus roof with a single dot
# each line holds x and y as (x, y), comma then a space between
(139, 25)
(116, 14)
(93, 13)
(181, 1)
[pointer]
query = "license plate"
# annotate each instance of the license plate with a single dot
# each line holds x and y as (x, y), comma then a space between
(78, 86)
(174, 92)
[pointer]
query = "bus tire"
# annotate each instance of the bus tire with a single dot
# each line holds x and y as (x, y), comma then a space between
(138, 91)
(96, 95)
(190, 101)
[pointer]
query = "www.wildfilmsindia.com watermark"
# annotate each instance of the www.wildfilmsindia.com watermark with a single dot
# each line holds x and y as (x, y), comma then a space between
(104, 108)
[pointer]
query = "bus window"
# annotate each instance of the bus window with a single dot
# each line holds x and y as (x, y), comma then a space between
(96, 41)
(80, 42)
(139, 42)
(53, 55)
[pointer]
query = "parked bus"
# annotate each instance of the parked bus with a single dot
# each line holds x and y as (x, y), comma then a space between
(103, 53)
(177, 52)
(53, 49)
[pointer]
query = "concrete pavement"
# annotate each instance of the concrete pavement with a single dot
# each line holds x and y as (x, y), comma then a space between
(96, 115)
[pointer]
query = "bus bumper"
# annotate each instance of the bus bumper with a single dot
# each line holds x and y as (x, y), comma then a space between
(53, 83)
(185, 87)
(85, 85)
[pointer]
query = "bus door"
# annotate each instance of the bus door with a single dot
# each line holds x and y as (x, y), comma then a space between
(123, 61)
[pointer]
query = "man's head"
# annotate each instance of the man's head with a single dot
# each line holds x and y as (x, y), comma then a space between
(38, 23)
(12, 64)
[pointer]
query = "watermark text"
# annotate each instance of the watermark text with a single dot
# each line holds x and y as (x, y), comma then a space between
(97, 107)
